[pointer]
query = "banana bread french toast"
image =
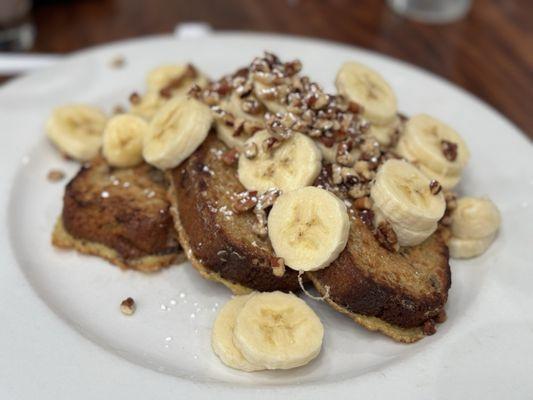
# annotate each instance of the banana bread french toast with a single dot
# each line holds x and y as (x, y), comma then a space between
(398, 294)
(121, 215)
(220, 242)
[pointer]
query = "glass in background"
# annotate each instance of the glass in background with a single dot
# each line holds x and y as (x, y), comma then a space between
(432, 11)
(16, 30)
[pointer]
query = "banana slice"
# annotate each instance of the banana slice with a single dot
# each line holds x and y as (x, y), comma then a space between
(385, 133)
(401, 193)
(77, 129)
(278, 331)
(406, 236)
(122, 142)
(176, 131)
(367, 88)
(222, 336)
(475, 218)
(308, 228)
(148, 105)
(294, 164)
(160, 77)
(273, 106)
(225, 133)
(468, 248)
(435, 145)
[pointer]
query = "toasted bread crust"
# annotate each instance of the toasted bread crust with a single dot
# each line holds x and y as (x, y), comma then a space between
(125, 210)
(62, 239)
(219, 240)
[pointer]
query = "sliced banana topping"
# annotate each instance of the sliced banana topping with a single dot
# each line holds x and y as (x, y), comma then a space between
(367, 88)
(285, 165)
(475, 222)
(122, 142)
(176, 131)
(77, 129)
(469, 248)
(147, 105)
(222, 336)
(178, 78)
(402, 194)
(385, 134)
(231, 134)
(278, 331)
(439, 151)
(308, 228)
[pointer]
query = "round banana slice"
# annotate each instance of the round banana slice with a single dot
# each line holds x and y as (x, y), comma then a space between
(308, 228)
(222, 336)
(122, 142)
(447, 182)
(225, 133)
(385, 133)
(278, 331)
(292, 164)
(273, 106)
(468, 248)
(160, 77)
(406, 236)
(366, 87)
(402, 194)
(475, 218)
(435, 145)
(176, 131)
(77, 129)
(148, 105)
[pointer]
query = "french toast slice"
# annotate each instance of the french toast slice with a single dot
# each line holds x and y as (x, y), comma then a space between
(398, 294)
(219, 242)
(121, 215)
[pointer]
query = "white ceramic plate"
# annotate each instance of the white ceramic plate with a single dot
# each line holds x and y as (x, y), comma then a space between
(62, 334)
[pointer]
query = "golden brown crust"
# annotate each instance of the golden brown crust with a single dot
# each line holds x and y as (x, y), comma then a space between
(124, 210)
(62, 239)
(221, 241)
(397, 333)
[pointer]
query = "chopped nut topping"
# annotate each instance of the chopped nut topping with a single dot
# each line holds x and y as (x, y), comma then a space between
(230, 156)
(250, 150)
(278, 266)
(357, 191)
(367, 216)
(270, 143)
(128, 306)
(118, 110)
(117, 62)
(387, 237)
(363, 203)
(245, 201)
(135, 98)
(55, 175)
(429, 327)
(435, 187)
(177, 82)
(449, 149)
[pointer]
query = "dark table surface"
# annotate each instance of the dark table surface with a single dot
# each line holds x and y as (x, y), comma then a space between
(489, 53)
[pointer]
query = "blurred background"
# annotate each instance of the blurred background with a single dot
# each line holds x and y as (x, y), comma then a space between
(485, 46)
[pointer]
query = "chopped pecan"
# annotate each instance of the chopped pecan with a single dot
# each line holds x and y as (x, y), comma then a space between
(434, 187)
(278, 266)
(55, 175)
(449, 150)
(387, 237)
(230, 157)
(244, 201)
(127, 306)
